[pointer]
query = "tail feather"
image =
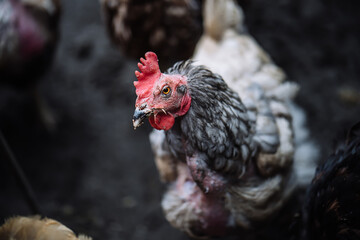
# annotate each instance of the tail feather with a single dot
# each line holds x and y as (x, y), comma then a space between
(220, 15)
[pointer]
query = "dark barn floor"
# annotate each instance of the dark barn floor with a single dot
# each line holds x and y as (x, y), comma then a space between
(96, 175)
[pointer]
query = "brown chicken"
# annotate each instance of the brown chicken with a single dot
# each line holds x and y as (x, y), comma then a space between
(35, 228)
(231, 145)
(169, 27)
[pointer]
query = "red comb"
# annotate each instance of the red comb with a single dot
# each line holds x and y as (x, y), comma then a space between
(149, 67)
(150, 72)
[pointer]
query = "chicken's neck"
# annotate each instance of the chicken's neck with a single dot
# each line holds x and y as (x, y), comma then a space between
(216, 124)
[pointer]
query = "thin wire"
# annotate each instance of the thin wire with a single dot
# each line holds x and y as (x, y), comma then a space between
(20, 176)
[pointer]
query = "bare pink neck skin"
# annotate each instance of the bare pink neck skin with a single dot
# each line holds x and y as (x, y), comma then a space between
(31, 37)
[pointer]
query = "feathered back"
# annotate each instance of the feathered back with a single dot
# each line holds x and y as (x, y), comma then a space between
(227, 49)
(34, 228)
(216, 22)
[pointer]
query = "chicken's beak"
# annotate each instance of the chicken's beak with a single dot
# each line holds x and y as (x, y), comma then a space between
(140, 116)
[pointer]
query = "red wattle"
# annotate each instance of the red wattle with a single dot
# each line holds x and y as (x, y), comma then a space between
(162, 121)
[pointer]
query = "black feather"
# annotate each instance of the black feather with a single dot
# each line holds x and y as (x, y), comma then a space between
(332, 209)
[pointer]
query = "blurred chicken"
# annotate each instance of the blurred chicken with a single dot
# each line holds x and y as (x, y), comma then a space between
(34, 228)
(332, 205)
(234, 147)
(28, 37)
(29, 32)
(169, 27)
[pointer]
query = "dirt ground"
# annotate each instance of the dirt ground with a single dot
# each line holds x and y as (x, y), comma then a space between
(95, 174)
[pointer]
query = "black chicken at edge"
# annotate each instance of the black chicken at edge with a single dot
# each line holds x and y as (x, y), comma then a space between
(332, 207)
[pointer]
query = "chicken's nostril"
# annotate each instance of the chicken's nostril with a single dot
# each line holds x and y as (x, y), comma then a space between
(138, 115)
(143, 106)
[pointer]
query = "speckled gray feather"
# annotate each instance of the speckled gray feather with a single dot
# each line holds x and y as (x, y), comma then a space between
(216, 124)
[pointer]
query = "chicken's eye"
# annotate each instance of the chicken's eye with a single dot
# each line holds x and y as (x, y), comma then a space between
(166, 90)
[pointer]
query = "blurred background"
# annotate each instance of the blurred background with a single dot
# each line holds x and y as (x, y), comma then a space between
(95, 174)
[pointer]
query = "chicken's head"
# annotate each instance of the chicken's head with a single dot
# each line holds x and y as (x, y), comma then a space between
(160, 97)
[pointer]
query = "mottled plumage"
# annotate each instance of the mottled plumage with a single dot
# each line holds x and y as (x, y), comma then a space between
(171, 28)
(218, 141)
(216, 124)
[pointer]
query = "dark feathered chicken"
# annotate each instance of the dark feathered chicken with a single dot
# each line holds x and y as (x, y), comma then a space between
(228, 150)
(169, 27)
(212, 150)
(332, 207)
(28, 36)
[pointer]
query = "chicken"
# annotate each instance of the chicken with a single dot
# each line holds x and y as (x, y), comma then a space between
(29, 32)
(232, 146)
(331, 210)
(170, 28)
(34, 228)
(28, 37)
